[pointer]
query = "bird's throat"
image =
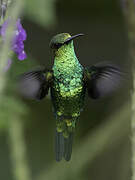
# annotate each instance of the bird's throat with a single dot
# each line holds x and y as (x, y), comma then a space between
(66, 64)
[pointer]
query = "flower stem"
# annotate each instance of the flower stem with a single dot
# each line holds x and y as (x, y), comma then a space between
(15, 130)
(18, 149)
(14, 12)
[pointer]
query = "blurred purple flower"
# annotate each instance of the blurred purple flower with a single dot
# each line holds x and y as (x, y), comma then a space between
(20, 35)
(9, 62)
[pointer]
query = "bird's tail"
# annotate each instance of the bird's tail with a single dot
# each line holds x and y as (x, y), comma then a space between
(68, 146)
(63, 146)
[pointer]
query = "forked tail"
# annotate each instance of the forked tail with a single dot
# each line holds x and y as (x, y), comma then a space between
(63, 146)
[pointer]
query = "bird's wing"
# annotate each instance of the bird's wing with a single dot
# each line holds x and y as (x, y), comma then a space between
(35, 84)
(102, 79)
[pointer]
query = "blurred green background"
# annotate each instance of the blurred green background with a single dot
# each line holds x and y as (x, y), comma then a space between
(102, 147)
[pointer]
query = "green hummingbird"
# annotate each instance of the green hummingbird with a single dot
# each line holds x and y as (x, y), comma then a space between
(68, 82)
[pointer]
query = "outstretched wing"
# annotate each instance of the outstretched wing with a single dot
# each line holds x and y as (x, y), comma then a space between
(102, 80)
(35, 84)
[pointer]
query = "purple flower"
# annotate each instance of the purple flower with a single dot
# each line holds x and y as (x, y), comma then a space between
(20, 35)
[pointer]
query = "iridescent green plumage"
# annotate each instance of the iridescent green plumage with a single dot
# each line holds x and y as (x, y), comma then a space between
(68, 87)
(67, 92)
(68, 82)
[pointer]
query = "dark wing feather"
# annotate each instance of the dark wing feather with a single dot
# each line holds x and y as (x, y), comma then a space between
(35, 84)
(102, 80)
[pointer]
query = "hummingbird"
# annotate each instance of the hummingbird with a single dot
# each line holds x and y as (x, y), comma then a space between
(68, 82)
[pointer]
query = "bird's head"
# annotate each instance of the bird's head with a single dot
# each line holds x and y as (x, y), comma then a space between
(62, 41)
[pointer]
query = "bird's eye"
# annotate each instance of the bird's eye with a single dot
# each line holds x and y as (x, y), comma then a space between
(57, 45)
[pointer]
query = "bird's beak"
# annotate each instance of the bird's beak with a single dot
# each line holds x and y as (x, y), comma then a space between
(73, 37)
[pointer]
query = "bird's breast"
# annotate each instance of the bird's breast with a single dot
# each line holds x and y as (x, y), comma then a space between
(68, 92)
(69, 87)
